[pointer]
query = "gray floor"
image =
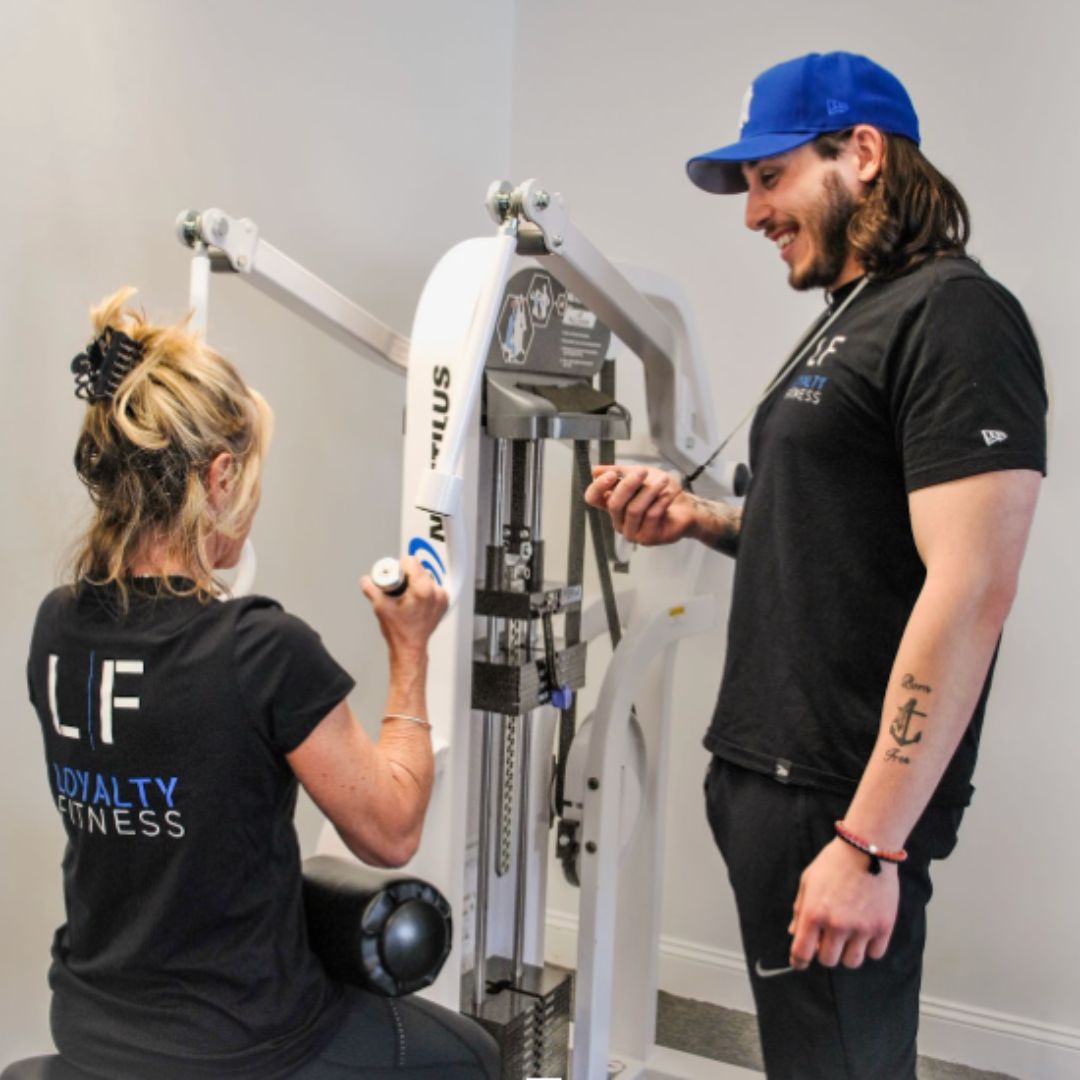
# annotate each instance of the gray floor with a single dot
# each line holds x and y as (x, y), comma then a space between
(726, 1035)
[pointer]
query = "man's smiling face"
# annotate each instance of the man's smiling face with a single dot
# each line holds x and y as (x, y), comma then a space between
(803, 203)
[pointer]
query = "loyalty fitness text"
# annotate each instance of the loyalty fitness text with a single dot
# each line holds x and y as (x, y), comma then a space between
(117, 805)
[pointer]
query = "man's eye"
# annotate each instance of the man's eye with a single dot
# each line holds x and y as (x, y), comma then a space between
(768, 179)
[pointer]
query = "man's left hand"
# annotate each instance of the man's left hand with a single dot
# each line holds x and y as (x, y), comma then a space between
(843, 913)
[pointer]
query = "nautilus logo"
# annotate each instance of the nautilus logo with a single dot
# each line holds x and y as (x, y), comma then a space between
(429, 558)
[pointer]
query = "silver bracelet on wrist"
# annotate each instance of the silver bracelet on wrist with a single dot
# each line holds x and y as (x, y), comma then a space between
(405, 716)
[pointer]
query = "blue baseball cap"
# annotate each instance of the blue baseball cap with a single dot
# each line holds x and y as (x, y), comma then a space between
(796, 101)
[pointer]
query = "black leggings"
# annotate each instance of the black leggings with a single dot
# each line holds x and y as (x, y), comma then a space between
(404, 1039)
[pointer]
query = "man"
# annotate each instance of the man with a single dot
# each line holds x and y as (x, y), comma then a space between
(896, 461)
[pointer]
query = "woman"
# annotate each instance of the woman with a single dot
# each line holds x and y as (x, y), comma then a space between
(176, 728)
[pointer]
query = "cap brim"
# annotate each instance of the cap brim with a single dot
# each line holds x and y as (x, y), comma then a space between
(720, 171)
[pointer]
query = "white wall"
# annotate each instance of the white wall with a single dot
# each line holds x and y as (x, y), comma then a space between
(610, 99)
(361, 137)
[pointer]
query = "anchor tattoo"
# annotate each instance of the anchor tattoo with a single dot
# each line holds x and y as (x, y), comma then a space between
(899, 728)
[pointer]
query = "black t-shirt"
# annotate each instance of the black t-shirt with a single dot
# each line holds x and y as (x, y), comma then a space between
(185, 951)
(928, 378)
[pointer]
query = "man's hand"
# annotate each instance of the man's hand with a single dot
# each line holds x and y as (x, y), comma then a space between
(843, 913)
(647, 506)
(408, 620)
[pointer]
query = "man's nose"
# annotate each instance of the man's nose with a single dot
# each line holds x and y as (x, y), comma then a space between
(758, 210)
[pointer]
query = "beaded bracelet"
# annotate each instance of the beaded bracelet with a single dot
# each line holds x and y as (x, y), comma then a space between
(877, 856)
(405, 716)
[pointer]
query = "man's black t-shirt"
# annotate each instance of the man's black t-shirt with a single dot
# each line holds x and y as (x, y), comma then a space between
(185, 952)
(928, 378)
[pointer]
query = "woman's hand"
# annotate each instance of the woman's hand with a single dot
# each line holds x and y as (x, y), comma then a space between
(408, 620)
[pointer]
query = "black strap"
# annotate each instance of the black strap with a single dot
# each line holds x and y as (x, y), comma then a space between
(575, 575)
(596, 529)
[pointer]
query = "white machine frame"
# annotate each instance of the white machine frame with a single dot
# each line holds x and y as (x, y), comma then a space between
(614, 1021)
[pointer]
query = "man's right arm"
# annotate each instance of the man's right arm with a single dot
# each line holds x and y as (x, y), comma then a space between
(649, 506)
(718, 525)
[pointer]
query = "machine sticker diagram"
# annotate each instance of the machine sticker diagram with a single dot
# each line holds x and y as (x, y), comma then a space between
(515, 330)
(541, 299)
(545, 327)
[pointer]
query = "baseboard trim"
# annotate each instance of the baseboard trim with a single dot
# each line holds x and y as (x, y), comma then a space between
(981, 1038)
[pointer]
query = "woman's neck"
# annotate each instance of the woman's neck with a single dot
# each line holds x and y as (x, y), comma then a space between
(157, 558)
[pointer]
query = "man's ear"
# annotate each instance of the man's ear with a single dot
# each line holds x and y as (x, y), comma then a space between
(868, 145)
(219, 480)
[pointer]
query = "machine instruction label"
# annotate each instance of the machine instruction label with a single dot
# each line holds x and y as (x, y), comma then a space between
(543, 327)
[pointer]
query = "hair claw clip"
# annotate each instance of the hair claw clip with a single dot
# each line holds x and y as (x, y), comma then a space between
(101, 369)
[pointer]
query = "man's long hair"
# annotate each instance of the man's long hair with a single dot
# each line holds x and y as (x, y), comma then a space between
(910, 212)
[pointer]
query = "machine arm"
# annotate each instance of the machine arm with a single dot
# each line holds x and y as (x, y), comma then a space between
(225, 244)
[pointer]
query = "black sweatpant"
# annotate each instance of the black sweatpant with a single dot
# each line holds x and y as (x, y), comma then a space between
(822, 1023)
(404, 1039)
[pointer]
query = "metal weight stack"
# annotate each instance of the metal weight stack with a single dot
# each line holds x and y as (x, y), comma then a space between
(521, 664)
(529, 1018)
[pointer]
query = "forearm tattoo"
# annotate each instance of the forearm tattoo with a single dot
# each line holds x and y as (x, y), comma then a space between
(720, 524)
(904, 728)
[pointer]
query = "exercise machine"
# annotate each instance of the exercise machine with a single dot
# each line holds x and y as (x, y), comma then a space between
(523, 342)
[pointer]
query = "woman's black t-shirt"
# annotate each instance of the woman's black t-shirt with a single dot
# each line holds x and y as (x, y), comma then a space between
(185, 952)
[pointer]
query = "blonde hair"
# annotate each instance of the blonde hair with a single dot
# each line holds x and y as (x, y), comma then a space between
(144, 454)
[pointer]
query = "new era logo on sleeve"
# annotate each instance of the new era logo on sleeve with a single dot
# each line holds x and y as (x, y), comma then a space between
(991, 437)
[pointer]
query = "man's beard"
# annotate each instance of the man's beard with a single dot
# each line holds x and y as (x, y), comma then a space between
(827, 225)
